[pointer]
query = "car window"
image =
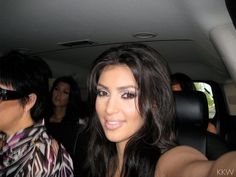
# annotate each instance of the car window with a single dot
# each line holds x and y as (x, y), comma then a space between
(206, 88)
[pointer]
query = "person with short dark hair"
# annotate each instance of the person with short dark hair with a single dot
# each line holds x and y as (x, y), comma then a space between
(27, 150)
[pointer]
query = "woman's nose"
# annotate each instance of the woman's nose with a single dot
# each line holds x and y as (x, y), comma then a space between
(112, 105)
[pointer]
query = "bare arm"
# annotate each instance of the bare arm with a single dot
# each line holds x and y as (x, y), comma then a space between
(183, 161)
(224, 166)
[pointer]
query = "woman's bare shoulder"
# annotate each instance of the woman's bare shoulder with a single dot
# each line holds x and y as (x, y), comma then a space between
(183, 161)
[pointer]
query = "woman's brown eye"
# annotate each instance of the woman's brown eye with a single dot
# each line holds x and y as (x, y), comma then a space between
(101, 93)
(129, 95)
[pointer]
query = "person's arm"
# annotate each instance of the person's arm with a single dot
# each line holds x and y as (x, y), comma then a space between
(183, 161)
(224, 166)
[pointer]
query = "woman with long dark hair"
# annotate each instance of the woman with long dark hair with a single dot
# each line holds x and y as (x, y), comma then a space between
(132, 126)
(65, 111)
(65, 101)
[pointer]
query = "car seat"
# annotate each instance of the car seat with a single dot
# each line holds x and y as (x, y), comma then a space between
(191, 123)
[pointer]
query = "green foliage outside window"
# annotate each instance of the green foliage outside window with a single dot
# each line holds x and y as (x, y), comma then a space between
(206, 88)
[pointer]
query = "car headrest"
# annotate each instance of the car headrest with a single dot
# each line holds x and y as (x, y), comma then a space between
(191, 109)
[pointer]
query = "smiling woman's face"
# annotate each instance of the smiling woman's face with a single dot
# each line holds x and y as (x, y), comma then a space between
(117, 103)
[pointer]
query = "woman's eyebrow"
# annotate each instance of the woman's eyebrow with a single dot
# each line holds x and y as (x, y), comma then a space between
(127, 87)
(103, 86)
(119, 88)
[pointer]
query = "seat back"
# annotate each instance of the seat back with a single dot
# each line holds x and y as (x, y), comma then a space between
(191, 119)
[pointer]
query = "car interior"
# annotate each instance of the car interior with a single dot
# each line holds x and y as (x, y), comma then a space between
(196, 37)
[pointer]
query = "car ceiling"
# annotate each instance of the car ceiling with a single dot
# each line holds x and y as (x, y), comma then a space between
(182, 29)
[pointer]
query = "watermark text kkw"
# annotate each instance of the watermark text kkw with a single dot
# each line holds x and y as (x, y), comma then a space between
(225, 172)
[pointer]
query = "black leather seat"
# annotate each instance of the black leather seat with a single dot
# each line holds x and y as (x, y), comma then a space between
(191, 121)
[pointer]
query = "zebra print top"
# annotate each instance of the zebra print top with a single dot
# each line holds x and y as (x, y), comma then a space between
(32, 153)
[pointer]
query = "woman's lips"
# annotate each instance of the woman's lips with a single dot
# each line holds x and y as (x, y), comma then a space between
(114, 124)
